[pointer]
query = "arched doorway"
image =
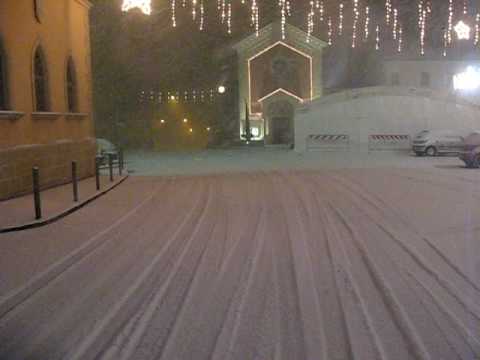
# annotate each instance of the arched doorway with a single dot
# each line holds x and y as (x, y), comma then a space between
(280, 127)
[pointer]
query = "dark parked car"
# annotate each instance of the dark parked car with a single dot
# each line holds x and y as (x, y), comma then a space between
(470, 153)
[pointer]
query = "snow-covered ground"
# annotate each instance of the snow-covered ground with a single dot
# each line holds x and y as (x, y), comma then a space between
(367, 263)
(254, 159)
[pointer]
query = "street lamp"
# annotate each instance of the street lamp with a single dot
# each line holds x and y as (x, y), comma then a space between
(221, 89)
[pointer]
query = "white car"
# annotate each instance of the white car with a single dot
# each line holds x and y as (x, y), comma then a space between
(435, 142)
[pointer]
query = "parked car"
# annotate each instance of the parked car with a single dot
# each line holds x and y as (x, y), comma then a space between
(104, 149)
(470, 153)
(435, 142)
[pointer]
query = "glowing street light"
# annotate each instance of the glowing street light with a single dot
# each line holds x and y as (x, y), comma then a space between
(185, 120)
(467, 80)
(462, 30)
(190, 130)
(162, 121)
(221, 89)
(208, 128)
(144, 5)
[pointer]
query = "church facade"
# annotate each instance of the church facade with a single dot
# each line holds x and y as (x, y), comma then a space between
(278, 70)
(45, 92)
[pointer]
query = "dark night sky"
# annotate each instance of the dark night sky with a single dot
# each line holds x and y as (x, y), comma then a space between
(152, 54)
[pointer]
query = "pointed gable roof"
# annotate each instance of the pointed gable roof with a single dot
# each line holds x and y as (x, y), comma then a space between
(272, 34)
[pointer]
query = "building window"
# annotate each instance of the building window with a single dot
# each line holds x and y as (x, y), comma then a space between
(395, 79)
(71, 87)
(40, 82)
(37, 10)
(3, 80)
(425, 79)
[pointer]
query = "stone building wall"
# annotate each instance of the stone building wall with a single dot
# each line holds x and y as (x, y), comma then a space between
(50, 139)
(54, 161)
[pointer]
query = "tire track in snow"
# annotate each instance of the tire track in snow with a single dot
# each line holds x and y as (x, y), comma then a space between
(382, 207)
(200, 322)
(148, 316)
(385, 290)
(333, 313)
(310, 308)
(132, 299)
(450, 285)
(48, 311)
(17, 296)
(401, 265)
(364, 340)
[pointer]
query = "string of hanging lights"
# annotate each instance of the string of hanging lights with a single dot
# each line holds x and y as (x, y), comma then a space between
(461, 19)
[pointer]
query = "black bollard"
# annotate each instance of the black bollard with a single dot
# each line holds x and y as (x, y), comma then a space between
(120, 162)
(97, 172)
(36, 193)
(110, 166)
(75, 181)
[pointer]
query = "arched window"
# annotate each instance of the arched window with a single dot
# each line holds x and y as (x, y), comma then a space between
(40, 77)
(3, 79)
(71, 87)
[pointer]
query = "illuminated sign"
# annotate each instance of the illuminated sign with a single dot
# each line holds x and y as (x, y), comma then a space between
(467, 80)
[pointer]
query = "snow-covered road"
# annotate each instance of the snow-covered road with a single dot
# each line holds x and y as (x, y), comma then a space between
(291, 265)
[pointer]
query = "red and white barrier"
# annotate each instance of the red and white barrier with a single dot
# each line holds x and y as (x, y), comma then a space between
(328, 141)
(389, 142)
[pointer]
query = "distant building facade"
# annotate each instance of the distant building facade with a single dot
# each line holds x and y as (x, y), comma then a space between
(430, 74)
(277, 71)
(45, 92)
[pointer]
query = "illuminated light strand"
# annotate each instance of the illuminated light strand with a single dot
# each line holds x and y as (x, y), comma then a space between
(322, 11)
(184, 3)
(377, 38)
(174, 18)
(420, 14)
(367, 23)
(223, 13)
(202, 15)
(311, 20)
(330, 31)
(422, 32)
(340, 18)
(477, 29)
(194, 9)
(229, 18)
(395, 23)
(450, 21)
(255, 16)
(283, 11)
(465, 7)
(145, 6)
(400, 39)
(388, 11)
(356, 15)
(445, 42)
